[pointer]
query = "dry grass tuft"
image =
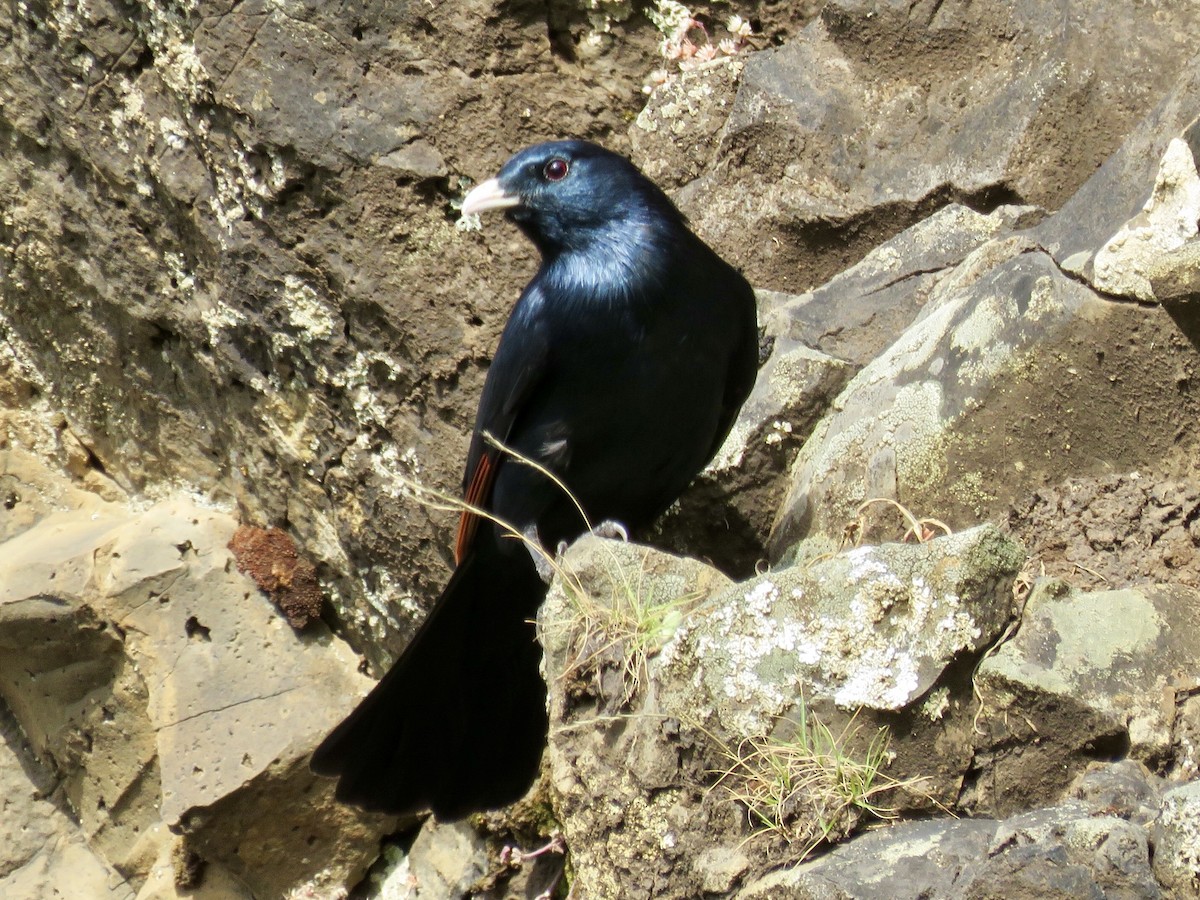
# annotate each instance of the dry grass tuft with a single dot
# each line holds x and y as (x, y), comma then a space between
(810, 787)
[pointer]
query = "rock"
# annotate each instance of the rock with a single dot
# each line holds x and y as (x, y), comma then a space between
(858, 313)
(445, 861)
(720, 868)
(628, 798)
(876, 114)
(1177, 841)
(1014, 375)
(1097, 670)
(905, 862)
(724, 514)
(1130, 231)
(853, 317)
(218, 221)
(1126, 789)
(164, 688)
(677, 134)
(656, 669)
(231, 278)
(42, 852)
(1072, 850)
(1113, 531)
(871, 627)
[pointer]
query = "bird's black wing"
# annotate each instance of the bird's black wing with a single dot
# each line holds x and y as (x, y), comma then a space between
(518, 367)
(743, 366)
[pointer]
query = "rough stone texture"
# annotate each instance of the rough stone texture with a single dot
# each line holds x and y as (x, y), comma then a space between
(1084, 848)
(858, 313)
(725, 514)
(852, 319)
(1177, 841)
(906, 862)
(444, 861)
(229, 267)
(43, 853)
(229, 251)
(873, 628)
(877, 113)
(1013, 375)
(165, 690)
(1113, 531)
(870, 628)
(1122, 654)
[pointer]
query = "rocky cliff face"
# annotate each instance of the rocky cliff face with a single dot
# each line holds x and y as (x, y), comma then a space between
(234, 292)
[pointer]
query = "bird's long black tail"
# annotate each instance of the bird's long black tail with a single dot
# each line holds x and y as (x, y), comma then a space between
(458, 724)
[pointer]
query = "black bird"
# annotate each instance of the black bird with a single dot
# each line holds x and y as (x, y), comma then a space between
(620, 370)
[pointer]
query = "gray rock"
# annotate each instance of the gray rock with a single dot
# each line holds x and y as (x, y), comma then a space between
(1069, 851)
(1118, 193)
(844, 136)
(720, 868)
(1126, 789)
(911, 861)
(1063, 851)
(859, 312)
(1094, 670)
(42, 852)
(1013, 375)
(892, 429)
(1032, 873)
(1177, 841)
(818, 340)
(640, 708)
(445, 860)
(725, 514)
(231, 262)
(872, 627)
(171, 696)
(677, 134)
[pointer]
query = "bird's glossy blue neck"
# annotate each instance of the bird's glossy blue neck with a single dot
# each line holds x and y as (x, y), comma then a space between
(609, 264)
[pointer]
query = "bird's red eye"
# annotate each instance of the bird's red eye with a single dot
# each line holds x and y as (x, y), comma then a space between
(556, 169)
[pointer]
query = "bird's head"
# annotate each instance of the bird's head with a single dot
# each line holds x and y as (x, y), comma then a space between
(567, 194)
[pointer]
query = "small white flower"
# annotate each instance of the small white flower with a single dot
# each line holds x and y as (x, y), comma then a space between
(738, 27)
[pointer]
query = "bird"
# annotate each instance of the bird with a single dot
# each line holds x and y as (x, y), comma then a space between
(620, 372)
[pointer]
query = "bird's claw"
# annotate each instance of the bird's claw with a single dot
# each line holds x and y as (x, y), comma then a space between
(610, 528)
(541, 560)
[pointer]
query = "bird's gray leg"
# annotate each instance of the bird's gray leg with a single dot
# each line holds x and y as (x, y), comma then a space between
(541, 562)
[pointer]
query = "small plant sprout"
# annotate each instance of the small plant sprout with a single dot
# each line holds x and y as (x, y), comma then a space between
(686, 41)
(919, 530)
(627, 625)
(810, 786)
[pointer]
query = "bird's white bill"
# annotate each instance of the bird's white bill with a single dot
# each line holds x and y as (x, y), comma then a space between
(488, 195)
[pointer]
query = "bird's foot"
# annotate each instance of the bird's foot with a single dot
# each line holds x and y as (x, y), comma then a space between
(547, 566)
(541, 559)
(610, 528)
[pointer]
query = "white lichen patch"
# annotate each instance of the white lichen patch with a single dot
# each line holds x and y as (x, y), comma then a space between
(357, 381)
(1178, 828)
(307, 311)
(387, 596)
(872, 627)
(936, 705)
(181, 280)
(174, 132)
(1167, 221)
(977, 336)
(220, 317)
